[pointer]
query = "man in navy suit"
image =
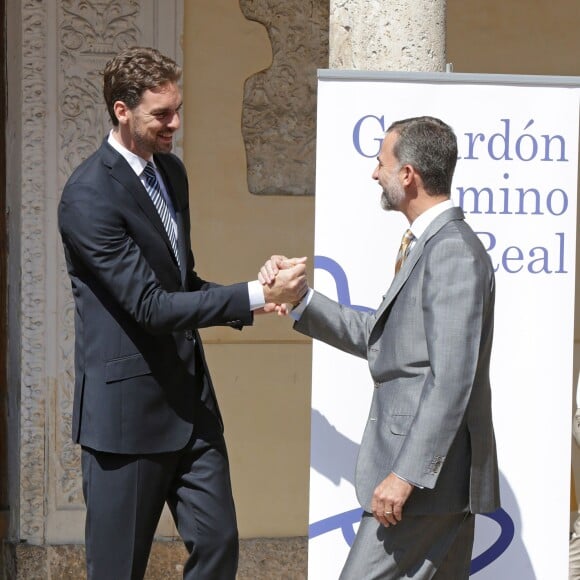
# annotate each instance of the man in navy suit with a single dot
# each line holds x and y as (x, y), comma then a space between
(145, 410)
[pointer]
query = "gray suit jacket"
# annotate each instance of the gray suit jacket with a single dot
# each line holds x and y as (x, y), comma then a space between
(428, 348)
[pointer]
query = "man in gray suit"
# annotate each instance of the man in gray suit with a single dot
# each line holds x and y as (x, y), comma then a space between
(427, 461)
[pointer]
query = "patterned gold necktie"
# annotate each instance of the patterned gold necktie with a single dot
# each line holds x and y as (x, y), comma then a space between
(408, 237)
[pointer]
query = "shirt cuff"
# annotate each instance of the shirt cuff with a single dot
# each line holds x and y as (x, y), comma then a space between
(298, 310)
(256, 295)
(408, 481)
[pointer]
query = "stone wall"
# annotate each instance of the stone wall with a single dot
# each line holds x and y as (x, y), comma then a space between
(279, 111)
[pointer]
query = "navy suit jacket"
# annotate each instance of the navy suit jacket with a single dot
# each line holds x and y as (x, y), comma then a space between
(138, 356)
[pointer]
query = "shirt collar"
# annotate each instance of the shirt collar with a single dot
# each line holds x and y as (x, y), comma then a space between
(136, 163)
(421, 223)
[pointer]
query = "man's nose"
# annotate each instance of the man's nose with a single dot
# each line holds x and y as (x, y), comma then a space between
(175, 121)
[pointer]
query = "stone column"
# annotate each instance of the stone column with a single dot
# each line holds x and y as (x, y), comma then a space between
(390, 35)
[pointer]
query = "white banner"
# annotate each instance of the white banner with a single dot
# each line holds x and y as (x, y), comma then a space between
(516, 181)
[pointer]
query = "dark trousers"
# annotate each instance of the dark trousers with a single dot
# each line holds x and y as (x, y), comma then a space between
(125, 494)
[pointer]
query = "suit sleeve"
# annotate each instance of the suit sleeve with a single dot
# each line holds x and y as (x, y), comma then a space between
(456, 297)
(98, 245)
(344, 328)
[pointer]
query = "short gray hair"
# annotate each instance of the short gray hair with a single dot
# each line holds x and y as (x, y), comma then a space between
(429, 145)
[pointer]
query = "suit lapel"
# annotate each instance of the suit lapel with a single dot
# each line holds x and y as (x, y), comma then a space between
(173, 186)
(122, 173)
(454, 213)
(181, 245)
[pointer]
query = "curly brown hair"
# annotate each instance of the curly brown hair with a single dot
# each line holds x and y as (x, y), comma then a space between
(134, 70)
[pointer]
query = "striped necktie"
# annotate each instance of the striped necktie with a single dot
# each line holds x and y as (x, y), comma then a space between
(163, 209)
(408, 237)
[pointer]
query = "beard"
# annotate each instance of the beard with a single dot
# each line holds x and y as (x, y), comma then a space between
(149, 142)
(392, 196)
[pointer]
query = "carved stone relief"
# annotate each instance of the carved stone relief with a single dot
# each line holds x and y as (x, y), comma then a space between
(279, 109)
(90, 34)
(33, 258)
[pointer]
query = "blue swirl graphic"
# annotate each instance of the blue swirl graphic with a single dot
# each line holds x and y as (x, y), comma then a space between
(507, 532)
(340, 279)
(346, 521)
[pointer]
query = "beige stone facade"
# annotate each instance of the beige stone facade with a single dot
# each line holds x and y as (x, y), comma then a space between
(239, 81)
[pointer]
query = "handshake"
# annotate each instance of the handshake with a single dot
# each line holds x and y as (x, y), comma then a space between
(284, 282)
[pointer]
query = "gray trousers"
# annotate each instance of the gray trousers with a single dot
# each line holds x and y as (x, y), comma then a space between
(421, 547)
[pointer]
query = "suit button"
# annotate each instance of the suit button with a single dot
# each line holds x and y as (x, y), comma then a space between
(189, 335)
(377, 385)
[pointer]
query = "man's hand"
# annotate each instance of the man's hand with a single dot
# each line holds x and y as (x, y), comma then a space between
(284, 280)
(389, 498)
(272, 266)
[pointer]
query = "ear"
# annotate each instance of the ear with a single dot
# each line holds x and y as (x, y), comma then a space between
(122, 112)
(408, 175)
